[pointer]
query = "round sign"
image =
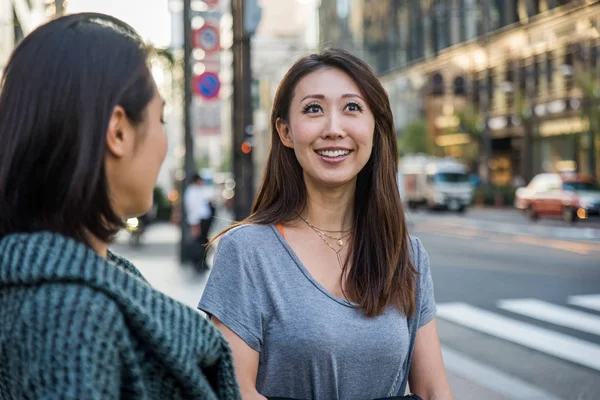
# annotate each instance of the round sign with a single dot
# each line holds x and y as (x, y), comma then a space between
(211, 2)
(207, 38)
(207, 85)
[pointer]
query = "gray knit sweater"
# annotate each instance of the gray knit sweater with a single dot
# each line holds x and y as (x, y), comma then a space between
(74, 325)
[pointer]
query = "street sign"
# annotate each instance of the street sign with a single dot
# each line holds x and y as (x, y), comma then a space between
(206, 85)
(207, 38)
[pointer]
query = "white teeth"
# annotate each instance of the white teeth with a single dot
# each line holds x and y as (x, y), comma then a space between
(334, 153)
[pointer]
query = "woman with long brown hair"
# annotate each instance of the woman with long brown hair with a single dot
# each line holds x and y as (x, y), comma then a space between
(321, 292)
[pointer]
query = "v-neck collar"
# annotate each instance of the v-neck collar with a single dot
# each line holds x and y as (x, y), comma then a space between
(305, 271)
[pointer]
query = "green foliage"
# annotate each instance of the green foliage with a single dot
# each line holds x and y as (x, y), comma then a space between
(202, 161)
(488, 194)
(590, 109)
(471, 123)
(415, 139)
(165, 54)
(164, 205)
(226, 163)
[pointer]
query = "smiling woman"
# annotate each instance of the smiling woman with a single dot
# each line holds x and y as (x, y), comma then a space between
(321, 292)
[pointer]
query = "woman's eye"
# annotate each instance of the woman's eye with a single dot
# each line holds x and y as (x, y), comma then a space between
(312, 109)
(353, 107)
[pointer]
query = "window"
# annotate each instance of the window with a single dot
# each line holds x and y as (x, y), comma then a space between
(437, 84)
(490, 84)
(549, 70)
(568, 67)
(577, 186)
(451, 177)
(537, 70)
(476, 91)
(460, 86)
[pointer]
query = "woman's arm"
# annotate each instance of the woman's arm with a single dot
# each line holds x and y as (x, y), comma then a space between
(245, 359)
(427, 376)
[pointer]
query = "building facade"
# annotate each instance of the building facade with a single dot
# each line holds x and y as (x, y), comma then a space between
(523, 66)
(278, 43)
(17, 19)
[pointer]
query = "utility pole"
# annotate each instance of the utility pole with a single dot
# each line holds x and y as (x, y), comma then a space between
(59, 8)
(246, 15)
(529, 123)
(189, 164)
(487, 138)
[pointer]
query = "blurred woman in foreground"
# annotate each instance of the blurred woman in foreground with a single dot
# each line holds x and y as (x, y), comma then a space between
(81, 145)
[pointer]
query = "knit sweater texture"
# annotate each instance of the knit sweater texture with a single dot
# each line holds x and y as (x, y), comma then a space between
(74, 325)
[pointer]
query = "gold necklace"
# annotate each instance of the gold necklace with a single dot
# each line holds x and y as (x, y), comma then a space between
(324, 239)
(322, 232)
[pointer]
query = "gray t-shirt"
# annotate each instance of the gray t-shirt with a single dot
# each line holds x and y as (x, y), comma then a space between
(312, 345)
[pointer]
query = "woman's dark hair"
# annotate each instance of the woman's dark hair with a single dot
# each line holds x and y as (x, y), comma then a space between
(381, 273)
(58, 92)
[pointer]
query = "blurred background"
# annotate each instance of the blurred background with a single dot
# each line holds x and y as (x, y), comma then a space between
(497, 113)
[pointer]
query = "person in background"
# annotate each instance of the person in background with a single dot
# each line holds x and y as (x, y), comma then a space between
(321, 292)
(200, 213)
(81, 145)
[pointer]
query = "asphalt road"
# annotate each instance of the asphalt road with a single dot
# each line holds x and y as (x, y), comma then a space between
(507, 301)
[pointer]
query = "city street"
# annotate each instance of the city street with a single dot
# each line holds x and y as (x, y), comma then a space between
(518, 304)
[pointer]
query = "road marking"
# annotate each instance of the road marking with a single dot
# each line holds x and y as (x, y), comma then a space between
(543, 340)
(456, 230)
(591, 301)
(491, 378)
(554, 314)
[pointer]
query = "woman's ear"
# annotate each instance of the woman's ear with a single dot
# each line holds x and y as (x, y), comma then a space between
(285, 134)
(119, 136)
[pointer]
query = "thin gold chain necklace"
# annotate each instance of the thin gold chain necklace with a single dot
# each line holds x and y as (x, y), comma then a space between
(340, 241)
(323, 237)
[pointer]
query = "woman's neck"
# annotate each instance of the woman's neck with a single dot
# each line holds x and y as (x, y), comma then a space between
(100, 247)
(331, 210)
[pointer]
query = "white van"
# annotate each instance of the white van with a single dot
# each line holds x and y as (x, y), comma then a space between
(435, 183)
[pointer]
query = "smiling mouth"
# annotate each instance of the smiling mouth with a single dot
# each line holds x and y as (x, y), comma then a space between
(333, 153)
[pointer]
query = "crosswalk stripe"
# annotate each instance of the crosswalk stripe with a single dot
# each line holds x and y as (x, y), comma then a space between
(554, 314)
(591, 301)
(549, 342)
(493, 379)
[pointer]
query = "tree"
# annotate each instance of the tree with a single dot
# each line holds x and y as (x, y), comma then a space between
(470, 122)
(589, 86)
(226, 164)
(524, 107)
(415, 139)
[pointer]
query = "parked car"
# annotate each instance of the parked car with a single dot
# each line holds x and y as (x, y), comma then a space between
(572, 196)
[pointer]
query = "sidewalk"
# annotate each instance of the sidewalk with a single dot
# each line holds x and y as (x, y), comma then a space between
(158, 260)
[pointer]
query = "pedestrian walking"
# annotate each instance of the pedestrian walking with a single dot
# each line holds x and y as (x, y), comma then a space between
(200, 212)
(321, 292)
(81, 146)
